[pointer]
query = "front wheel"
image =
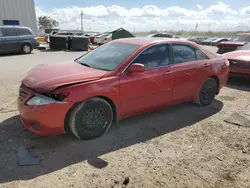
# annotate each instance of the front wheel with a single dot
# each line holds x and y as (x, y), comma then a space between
(207, 92)
(91, 118)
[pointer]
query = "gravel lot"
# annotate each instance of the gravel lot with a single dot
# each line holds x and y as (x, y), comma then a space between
(182, 146)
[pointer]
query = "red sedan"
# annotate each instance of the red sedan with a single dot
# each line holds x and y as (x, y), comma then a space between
(120, 79)
(240, 61)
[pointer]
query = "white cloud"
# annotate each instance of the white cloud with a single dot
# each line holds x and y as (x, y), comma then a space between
(245, 11)
(100, 18)
(220, 8)
(199, 7)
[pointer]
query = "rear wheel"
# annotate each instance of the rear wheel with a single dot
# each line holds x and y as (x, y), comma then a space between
(91, 118)
(26, 49)
(207, 92)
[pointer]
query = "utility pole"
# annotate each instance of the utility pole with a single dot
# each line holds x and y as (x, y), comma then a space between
(81, 20)
(209, 26)
(196, 27)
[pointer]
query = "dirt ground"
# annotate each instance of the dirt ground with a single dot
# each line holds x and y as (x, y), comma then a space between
(184, 146)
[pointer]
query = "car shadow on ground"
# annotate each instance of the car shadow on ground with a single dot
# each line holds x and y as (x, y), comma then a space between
(58, 152)
(239, 83)
(14, 54)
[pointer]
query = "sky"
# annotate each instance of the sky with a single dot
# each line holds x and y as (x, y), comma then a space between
(146, 15)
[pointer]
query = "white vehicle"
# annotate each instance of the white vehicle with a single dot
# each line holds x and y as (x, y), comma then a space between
(108, 38)
(101, 39)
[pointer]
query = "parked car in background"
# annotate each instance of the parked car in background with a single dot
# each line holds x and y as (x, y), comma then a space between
(163, 35)
(69, 33)
(218, 40)
(197, 40)
(239, 61)
(92, 37)
(17, 39)
(208, 41)
(236, 41)
(100, 39)
(120, 79)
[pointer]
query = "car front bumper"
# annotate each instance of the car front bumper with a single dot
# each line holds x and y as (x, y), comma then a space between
(45, 119)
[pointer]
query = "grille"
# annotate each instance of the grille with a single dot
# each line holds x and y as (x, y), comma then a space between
(25, 93)
(239, 64)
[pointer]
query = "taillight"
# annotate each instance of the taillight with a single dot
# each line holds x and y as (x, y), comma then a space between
(105, 39)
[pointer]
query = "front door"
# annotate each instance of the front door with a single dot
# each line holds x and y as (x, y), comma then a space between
(10, 39)
(141, 92)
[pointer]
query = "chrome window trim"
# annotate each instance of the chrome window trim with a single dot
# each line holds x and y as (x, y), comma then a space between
(168, 43)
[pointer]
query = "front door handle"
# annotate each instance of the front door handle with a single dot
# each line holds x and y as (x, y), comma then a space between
(168, 73)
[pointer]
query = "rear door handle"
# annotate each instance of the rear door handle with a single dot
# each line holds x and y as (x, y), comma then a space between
(206, 64)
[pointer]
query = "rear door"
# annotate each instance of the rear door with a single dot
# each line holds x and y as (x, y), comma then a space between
(10, 39)
(190, 70)
(24, 35)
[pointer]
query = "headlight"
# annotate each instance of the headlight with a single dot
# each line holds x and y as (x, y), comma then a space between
(42, 100)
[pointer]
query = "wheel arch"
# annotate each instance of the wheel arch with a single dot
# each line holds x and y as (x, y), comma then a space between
(107, 99)
(217, 82)
(24, 43)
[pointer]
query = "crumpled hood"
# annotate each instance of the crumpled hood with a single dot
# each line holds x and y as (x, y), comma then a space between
(231, 43)
(240, 55)
(49, 77)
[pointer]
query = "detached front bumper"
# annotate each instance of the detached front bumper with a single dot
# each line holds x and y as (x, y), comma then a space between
(45, 119)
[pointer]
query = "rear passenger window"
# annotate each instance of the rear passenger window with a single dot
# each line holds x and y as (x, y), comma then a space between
(183, 53)
(8, 32)
(23, 31)
(200, 55)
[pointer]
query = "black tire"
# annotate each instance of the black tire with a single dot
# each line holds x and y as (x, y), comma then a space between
(207, 92)
(26, 49)
(91, 118)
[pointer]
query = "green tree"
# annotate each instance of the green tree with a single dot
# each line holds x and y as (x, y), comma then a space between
(46, 22)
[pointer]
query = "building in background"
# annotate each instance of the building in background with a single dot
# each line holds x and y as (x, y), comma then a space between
(18, 12)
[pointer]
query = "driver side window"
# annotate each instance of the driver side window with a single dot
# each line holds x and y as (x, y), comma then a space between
(155, 56)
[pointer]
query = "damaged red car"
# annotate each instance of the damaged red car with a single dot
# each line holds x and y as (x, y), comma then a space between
(120, 79)
(239, 61)
(234, 43)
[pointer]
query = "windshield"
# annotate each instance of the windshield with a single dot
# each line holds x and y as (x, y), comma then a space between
(245, 47)
(241, 38)
(108, 56)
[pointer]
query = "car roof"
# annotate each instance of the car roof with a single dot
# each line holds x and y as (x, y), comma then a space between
(147, 41)
(11, 26)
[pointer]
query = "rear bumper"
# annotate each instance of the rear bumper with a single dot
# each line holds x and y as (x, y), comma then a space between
(44, 120)
(35, 45)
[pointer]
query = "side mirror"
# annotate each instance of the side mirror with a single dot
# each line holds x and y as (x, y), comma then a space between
(136, 67)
